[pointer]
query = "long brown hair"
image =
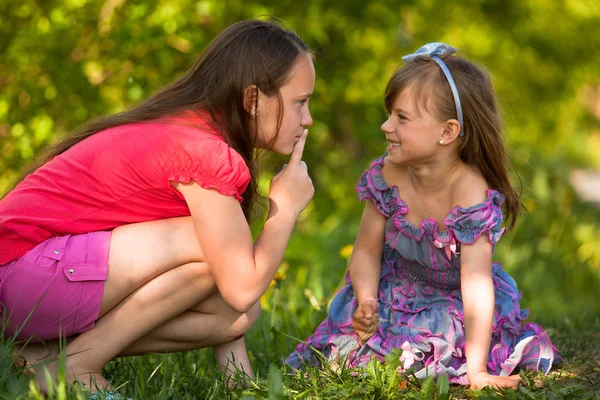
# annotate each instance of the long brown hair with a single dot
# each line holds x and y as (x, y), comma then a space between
(483, 142)
(247, 53)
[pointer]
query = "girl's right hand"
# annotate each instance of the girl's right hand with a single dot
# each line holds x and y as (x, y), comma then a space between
(292, 189)
(365, 320)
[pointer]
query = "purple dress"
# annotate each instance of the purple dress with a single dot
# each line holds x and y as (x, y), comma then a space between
(420, 302)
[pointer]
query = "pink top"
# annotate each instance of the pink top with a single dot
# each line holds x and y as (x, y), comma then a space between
(118, 176)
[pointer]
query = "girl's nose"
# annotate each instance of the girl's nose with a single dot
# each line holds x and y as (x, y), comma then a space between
(385, 127)
(306, 119)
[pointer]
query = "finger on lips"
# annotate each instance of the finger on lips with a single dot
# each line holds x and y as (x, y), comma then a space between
(299, 148)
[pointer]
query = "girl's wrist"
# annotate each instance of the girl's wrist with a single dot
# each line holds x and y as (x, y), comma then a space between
(284, 213)
(475, 371)
(367, 299)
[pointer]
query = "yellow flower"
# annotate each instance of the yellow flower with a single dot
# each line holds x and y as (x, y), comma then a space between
(346, 251)
(279, 276)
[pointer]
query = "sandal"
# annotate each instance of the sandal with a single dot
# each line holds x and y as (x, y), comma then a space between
(108, 395)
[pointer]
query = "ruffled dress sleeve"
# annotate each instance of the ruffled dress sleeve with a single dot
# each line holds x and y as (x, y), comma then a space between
(372, 186)
(466, 225)
(212, 164)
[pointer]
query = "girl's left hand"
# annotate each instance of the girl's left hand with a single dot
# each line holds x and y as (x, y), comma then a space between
(483, 379)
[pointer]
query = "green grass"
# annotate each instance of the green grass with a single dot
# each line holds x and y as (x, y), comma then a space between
(194, 375)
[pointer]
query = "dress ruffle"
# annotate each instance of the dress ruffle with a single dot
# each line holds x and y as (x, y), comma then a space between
(431, 321)
(420, 302)
(468, 224)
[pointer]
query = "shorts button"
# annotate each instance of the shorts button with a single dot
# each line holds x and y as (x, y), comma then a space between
(56, 251)
(71, 271)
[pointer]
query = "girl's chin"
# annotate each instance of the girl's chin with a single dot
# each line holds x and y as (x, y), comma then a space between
(394, 156)
(284, 151)
(394, 152)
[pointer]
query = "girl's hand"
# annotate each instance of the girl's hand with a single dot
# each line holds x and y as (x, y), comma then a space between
(292, 189)
(481, 379)
(365, 320)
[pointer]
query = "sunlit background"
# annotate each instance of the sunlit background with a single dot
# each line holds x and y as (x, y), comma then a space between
(63, 62)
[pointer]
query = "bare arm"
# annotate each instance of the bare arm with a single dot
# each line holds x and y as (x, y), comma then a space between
(365, 264)
(243, 270)
(478, 298)
(365, 269)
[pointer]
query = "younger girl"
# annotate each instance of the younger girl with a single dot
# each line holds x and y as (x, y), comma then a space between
(421, 275)
(133, 237)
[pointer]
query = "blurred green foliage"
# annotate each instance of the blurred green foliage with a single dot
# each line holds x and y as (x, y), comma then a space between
(63, 62)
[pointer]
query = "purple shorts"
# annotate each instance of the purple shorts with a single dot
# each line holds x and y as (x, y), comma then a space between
(55, 290)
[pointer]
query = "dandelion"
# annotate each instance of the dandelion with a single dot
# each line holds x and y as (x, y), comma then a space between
(346, 251)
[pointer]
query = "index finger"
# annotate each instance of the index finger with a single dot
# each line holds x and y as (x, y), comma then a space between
(299, 148)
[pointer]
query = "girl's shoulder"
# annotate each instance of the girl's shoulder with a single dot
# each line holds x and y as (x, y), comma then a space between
(380, 176)
(373, 185)
(478, 210)
(181, 149)
(470, 188)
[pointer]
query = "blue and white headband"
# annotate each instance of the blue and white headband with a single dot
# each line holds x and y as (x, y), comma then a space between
(434, 51)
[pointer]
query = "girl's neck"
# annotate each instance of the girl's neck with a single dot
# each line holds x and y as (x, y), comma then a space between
(435, 177)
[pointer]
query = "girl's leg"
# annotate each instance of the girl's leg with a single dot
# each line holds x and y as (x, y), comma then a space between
(156, 273)
(210, 323)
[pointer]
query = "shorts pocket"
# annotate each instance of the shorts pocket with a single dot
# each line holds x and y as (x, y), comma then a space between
(56, 249)
(77, 272)
(46, 257)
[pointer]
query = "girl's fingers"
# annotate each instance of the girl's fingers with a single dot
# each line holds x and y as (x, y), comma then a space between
(299, 149)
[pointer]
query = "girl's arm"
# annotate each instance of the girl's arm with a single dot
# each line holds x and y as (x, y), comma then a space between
(478, 299)
(365, 264)
(243, 270)
(365, 270)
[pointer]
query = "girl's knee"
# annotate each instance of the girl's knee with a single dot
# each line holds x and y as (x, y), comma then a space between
(199, 273)
(245, 321)
(254, 313)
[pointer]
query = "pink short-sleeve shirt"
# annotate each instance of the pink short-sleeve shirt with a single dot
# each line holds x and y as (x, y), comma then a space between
(118, 176)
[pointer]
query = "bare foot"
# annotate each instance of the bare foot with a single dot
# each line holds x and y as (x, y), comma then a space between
(35, 357)
(31, 354)
(90, 381)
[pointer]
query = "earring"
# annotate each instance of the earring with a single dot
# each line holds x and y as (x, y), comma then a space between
(441, 142)
(254, 114)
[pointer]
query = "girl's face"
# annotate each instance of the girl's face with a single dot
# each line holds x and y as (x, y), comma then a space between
(294, 99)
(412, 133)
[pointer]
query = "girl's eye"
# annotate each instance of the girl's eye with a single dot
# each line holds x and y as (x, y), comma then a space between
(302, 102)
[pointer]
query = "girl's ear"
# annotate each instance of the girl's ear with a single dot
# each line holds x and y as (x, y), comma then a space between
(451, 131)
(251, 100)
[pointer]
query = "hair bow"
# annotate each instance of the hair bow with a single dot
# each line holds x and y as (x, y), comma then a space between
(434, 51)
(437, 49)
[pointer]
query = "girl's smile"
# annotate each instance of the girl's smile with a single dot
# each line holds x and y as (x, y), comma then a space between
(391, 144)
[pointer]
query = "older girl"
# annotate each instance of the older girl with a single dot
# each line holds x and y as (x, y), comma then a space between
(132, 237)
